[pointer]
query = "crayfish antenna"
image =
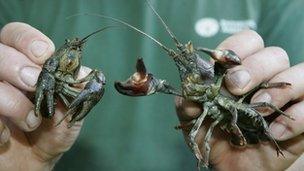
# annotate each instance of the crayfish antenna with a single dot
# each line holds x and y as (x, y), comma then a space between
(83, 40)
(169, 51)
(178, 44)
(62, 119)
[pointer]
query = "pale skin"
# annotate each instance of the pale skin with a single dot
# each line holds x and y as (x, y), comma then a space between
(27, 144)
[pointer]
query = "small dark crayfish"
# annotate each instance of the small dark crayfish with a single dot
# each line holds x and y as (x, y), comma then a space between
(58, 78)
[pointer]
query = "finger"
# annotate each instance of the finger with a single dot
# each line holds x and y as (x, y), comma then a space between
(17, 107)
(4, 134)
(244, 43)
(28, 41)
(186, 110)
(283, 128)
(17, 69)
(255, 69)
(281, 96)
(297, 165)
(51, 140)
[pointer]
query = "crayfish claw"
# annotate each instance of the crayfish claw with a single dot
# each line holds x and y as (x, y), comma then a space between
(86, 99)
(226, 57)
(140, 67)
(45, 94)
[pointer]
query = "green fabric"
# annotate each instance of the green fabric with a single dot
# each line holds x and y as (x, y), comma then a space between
(124, 133)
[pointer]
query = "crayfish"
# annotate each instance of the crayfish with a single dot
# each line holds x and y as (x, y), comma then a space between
(202, 82)
(58, 78)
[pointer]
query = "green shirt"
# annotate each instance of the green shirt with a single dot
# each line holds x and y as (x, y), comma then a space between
(124, 133)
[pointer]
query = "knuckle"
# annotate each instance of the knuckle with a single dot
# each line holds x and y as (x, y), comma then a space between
(13, 30)
(12, 102)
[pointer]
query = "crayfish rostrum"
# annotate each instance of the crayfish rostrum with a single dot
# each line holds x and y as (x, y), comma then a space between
(202, 82)
(58, 79)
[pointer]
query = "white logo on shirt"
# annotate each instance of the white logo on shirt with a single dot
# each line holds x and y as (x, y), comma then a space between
(208, 27)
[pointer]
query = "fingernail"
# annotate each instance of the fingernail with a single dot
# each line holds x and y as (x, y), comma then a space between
(32, 120)
(277, 130)
(39, 48)
(4, 136)
(29, 75)
(240, 78)
(263, 97)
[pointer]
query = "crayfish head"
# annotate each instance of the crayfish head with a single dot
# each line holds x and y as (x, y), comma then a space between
(70, 60)
(75, 43)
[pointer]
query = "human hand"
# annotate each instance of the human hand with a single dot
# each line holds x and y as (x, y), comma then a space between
(28, 142)
(259, 64)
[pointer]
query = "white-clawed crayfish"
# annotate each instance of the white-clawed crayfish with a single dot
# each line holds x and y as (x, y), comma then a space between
(57, 80)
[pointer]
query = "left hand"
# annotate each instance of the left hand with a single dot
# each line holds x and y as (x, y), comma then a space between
(28, 142)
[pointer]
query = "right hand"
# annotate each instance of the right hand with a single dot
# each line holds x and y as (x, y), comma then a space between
(259, 64)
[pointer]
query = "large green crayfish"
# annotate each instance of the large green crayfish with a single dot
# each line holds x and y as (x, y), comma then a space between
(202, 82)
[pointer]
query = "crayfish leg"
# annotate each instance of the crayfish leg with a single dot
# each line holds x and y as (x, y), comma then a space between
(184, 126)
(266, 130)
(192, 135)
(68, 113)
(64, 100)
(278, 149)
(264, 85)
(208, 136)
(271, 106)
(236, 130)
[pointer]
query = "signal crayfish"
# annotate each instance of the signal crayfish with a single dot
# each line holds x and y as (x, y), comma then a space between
(58, 78)
(202, 82)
